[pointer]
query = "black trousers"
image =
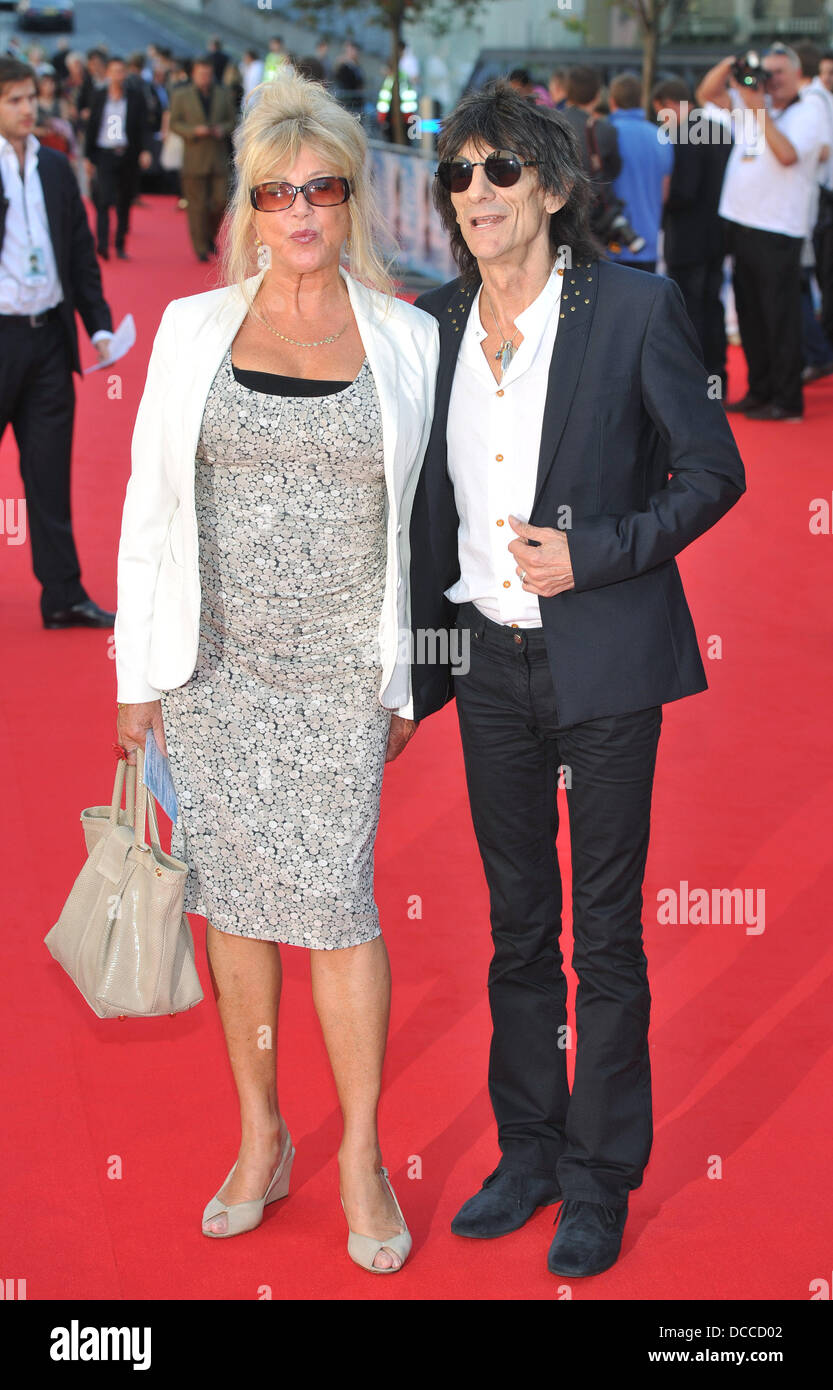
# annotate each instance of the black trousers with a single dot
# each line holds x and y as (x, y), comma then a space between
(37, 396)
(700, 285)
(823, 246)
(598, 1137)
(114, 185)
(767, 281)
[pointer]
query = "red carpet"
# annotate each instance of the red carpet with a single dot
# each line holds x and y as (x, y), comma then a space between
(741, 1048)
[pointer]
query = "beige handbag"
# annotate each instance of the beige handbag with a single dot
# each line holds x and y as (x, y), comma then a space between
(122, 936)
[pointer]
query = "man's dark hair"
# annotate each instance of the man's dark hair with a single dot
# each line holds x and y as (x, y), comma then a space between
(809, 55)
(97, 53)
(12, 70)
(583, 85)
(520, 75)
(114, 58)
(626, 91)
(204, 60)
(671, 89)
(499, 118)
(827, 56)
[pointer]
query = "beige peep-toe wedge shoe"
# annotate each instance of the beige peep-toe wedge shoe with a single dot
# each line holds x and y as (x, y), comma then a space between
(364, 1249)
(245, 1216)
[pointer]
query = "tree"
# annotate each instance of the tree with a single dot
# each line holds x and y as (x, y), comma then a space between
(392, 15)
(649, 15)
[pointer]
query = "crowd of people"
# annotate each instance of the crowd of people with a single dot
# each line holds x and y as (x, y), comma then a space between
(162, 130)
(705, 187)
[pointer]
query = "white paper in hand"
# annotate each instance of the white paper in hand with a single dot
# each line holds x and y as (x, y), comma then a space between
(157, 777)
(121, 342)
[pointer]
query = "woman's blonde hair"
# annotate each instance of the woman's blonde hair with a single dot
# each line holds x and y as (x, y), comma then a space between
(279, 117)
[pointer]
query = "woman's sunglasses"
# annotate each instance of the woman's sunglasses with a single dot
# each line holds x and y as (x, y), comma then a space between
(326, 192)
(502, 168)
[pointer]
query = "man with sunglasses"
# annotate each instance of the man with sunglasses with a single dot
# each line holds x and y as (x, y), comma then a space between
(545, 527)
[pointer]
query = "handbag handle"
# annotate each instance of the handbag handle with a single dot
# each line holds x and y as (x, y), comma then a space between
(144, 802)
(118, 787)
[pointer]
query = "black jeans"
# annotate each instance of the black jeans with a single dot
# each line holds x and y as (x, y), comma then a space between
(37, 396)
(701, 285)
(598, 1137)
(767, 281)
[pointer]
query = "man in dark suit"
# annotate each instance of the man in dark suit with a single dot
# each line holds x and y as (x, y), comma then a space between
(695, 237)
(116, 145)
(48, 269)
(574, 453)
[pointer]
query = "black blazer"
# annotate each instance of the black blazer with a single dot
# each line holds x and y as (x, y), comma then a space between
(74, 249)
(694, 233)
(646, 462)
(137, 126)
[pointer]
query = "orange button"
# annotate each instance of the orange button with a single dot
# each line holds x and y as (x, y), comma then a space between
(499, 458)
(507, 584)
(500, 523)
(500, 393)
(513, 624)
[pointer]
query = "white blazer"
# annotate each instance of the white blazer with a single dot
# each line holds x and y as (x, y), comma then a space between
(158, 609)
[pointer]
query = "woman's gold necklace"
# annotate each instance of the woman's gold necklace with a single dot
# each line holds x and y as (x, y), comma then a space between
(331, 339)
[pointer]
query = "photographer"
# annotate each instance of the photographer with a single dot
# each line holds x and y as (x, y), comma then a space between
(766, 203)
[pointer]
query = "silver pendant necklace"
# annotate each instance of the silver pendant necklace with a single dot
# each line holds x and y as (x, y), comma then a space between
(507, 348)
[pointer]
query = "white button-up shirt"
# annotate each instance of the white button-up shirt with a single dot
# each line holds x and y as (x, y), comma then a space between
(494, 438)
(27, 225)
(112, 132)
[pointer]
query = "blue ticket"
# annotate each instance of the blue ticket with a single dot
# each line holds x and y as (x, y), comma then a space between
(157, 776)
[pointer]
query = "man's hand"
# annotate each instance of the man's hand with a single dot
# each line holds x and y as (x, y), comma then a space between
(102, 347)
(145, 159)
(202, 129)
(547, 565)
(401, 732)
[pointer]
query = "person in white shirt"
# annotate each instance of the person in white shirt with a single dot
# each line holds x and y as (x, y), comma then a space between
(48, 268)
(767, 203)
(251, 72)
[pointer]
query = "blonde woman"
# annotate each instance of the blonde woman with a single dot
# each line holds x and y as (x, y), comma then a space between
(262, 588)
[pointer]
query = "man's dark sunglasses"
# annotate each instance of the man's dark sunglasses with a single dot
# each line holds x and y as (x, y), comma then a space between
(326, 192)
(501, 167)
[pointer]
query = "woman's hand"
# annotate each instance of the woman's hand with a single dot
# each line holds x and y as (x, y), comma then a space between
(133, 723)
(401, 732)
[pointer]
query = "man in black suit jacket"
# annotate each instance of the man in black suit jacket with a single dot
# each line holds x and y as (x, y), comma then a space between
(695, 237)
(48, 270)
(571, 410)
(116, 146)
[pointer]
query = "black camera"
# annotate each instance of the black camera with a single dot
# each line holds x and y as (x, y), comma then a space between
(613, 229)
(749, 71)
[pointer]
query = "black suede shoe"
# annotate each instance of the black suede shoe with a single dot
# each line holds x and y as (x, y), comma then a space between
(746, 402)
(588, 1239)
(505, 1202)
(83, 614)
(774, 412)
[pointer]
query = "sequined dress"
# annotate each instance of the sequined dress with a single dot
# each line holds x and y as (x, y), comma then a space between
(277, 741)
